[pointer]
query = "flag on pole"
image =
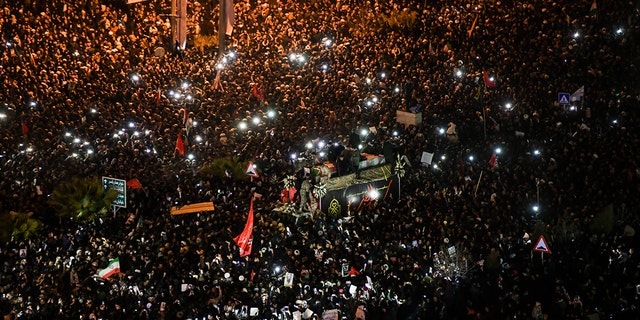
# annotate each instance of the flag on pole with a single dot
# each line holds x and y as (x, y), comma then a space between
(488, 81)
(594, 9)
(25, 129)
(180, 145)
(473, 26)
(111, 269)
(493, 161)
(578, 95)
(244, 239)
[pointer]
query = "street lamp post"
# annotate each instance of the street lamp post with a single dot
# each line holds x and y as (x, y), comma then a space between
(172, 19)
(222, 28)
(181, 23)
(178, 21)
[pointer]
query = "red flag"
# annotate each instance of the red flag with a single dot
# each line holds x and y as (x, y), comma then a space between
(134, 184)
(25, 129)
(493, 160)
(488, 81)
(292, 193)
(257, 93)
(244, 239)
(180, 145)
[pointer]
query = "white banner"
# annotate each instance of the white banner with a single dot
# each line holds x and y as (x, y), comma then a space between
(330, 314)
(426, 157)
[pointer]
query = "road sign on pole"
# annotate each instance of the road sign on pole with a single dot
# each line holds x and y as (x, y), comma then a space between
(119, 186)
(564, 98)
(541, 245)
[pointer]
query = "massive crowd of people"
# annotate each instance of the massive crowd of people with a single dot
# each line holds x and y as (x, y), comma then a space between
(88, 91)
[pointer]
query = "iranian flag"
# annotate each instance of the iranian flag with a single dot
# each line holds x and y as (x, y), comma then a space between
(111, 269)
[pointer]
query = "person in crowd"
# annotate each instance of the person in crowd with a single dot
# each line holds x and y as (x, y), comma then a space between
(95, 88)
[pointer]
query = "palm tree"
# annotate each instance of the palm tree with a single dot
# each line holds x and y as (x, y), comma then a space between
(221, 167)
(82, 199)
(24, 226)
(18, 225)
